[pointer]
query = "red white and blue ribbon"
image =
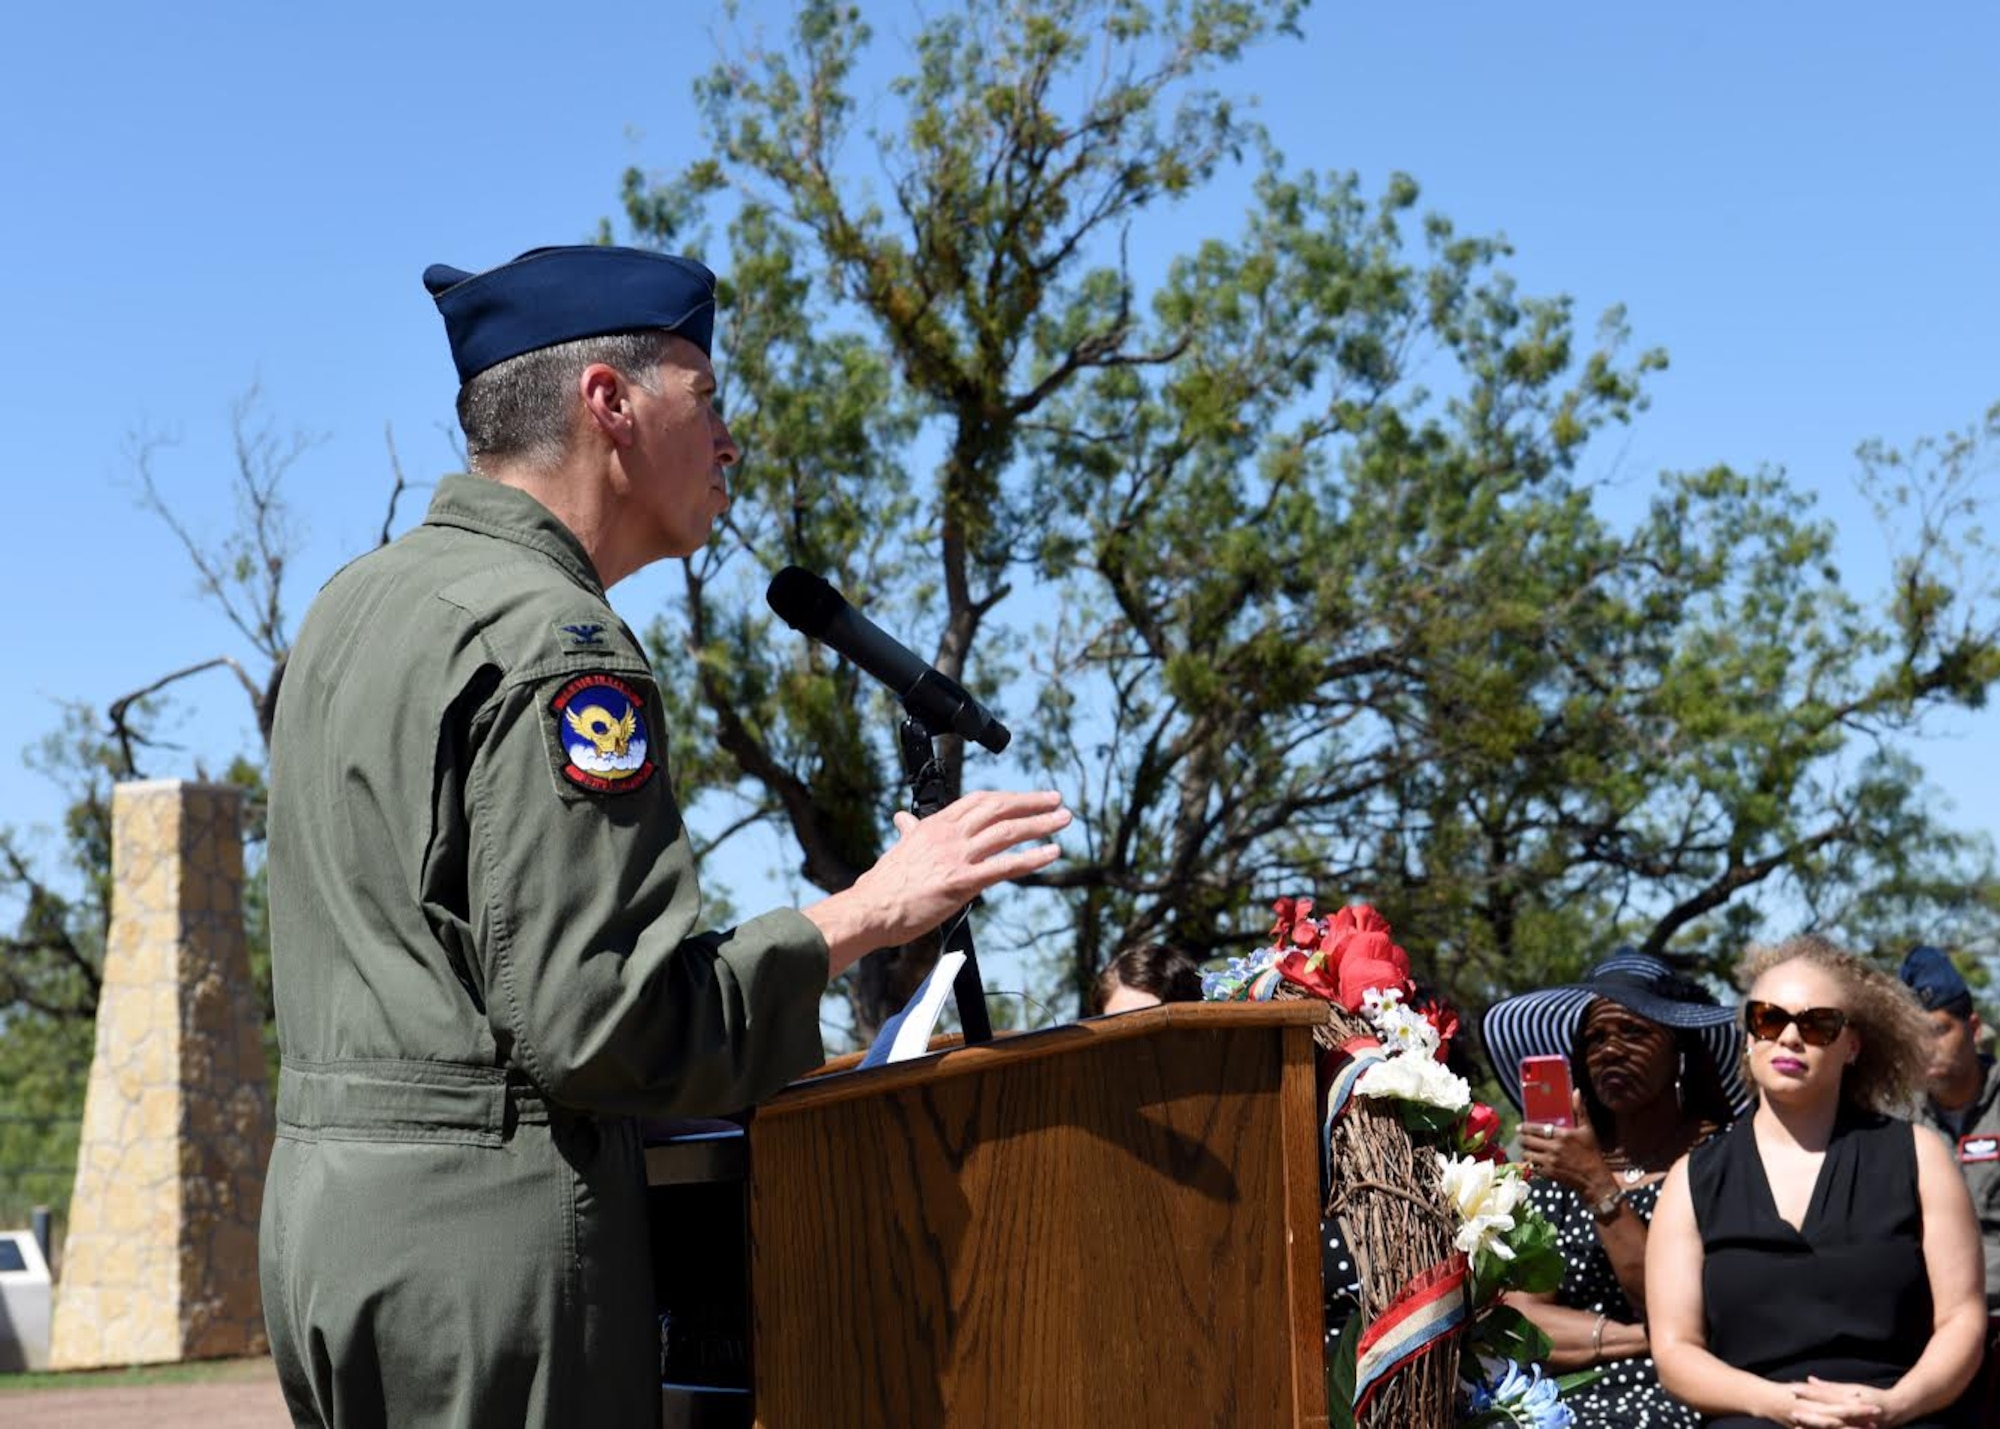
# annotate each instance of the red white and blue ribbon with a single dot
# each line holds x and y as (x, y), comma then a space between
(1427, 1312)
(1357, 1056)
(1260, 987)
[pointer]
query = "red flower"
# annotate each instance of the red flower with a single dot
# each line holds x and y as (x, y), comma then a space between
(1342, 957)
(1479, 1133)
(1443, 1018)
(1357, 918)
(1309, 972)
(1295, 923)
(1361, 970)
(1365, 954)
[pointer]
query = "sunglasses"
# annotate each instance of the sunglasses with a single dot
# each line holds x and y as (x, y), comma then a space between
(1818, 1026)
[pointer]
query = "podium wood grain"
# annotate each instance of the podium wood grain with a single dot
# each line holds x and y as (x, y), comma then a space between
(1113, 1223)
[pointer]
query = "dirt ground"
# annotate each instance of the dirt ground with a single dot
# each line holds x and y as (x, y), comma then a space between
(244, 1397)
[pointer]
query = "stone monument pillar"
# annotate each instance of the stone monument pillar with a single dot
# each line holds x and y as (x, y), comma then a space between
(160, 1263)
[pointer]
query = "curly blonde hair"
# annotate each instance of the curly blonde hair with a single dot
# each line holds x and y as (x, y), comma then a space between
(1888, 1075)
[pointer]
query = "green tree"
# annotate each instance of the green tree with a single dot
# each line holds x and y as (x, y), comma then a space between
(1030, 138)
(53, 961)
(1282, 566)
(44, 1064)
(51, 966)
(1367, 638)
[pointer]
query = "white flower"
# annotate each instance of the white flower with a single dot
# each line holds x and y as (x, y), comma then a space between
(1405, 1031)
(1400, 1028)
(1416, 1079)
(1486, 1194)
(1377, 1000)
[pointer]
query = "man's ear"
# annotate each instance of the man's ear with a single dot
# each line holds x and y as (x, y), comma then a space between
(605, 396)
(1972, 1025)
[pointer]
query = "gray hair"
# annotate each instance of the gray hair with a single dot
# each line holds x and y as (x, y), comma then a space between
(521, 409)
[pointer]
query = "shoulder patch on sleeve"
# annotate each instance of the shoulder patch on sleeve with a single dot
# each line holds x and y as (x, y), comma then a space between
(599, 723)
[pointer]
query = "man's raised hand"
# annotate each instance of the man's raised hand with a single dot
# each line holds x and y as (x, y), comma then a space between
(938, 865)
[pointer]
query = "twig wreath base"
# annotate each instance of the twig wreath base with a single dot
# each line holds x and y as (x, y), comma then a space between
(1395, 1218)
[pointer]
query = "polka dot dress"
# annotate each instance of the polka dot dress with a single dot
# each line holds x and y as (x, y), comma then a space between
(1627, 1394)
(1341, 1280)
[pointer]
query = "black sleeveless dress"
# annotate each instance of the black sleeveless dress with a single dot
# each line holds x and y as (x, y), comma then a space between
(1845, 1297)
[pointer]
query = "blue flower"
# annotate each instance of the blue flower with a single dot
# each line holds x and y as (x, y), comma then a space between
(1521, 1398)
(1227, 984)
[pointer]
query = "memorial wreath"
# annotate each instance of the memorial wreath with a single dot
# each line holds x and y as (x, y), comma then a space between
(1436, 1217)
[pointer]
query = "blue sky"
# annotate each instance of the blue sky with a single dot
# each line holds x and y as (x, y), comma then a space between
(1797, 203)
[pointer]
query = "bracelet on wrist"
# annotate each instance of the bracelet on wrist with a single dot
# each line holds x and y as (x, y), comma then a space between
(1605, 1209)
(1597, 1337)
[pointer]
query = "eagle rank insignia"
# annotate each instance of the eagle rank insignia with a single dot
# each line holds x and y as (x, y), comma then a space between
(601, 725)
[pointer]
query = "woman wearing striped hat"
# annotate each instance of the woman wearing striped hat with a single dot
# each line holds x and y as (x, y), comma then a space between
(1654, 1062)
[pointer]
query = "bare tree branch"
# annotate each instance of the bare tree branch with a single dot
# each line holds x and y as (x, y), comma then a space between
(395, 491)
(49, 937)
(121, 728)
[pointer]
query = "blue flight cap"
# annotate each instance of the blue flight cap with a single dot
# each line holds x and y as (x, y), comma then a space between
(552, 295)
(1929, 973)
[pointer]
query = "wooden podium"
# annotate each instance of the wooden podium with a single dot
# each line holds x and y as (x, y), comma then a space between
(1110, 1223)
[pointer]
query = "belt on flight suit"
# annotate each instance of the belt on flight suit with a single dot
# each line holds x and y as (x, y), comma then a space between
(400, 1100)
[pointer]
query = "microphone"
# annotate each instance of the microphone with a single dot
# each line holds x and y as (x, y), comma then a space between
(815, 609)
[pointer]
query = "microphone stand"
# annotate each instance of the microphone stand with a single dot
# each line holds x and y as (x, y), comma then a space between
(926, 779)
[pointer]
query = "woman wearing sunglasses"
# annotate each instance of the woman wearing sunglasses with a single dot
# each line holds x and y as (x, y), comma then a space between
(1820, 1265)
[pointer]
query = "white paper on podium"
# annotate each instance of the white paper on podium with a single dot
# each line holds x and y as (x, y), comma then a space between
(908, 1033)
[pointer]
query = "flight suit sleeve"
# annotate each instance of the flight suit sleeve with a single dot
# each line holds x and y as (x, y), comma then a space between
(585, 909)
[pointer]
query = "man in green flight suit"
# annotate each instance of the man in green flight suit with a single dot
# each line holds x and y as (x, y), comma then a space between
(486, 947)
(1962, 1102)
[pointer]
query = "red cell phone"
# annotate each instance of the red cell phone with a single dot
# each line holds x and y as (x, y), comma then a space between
(1545, 1090)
